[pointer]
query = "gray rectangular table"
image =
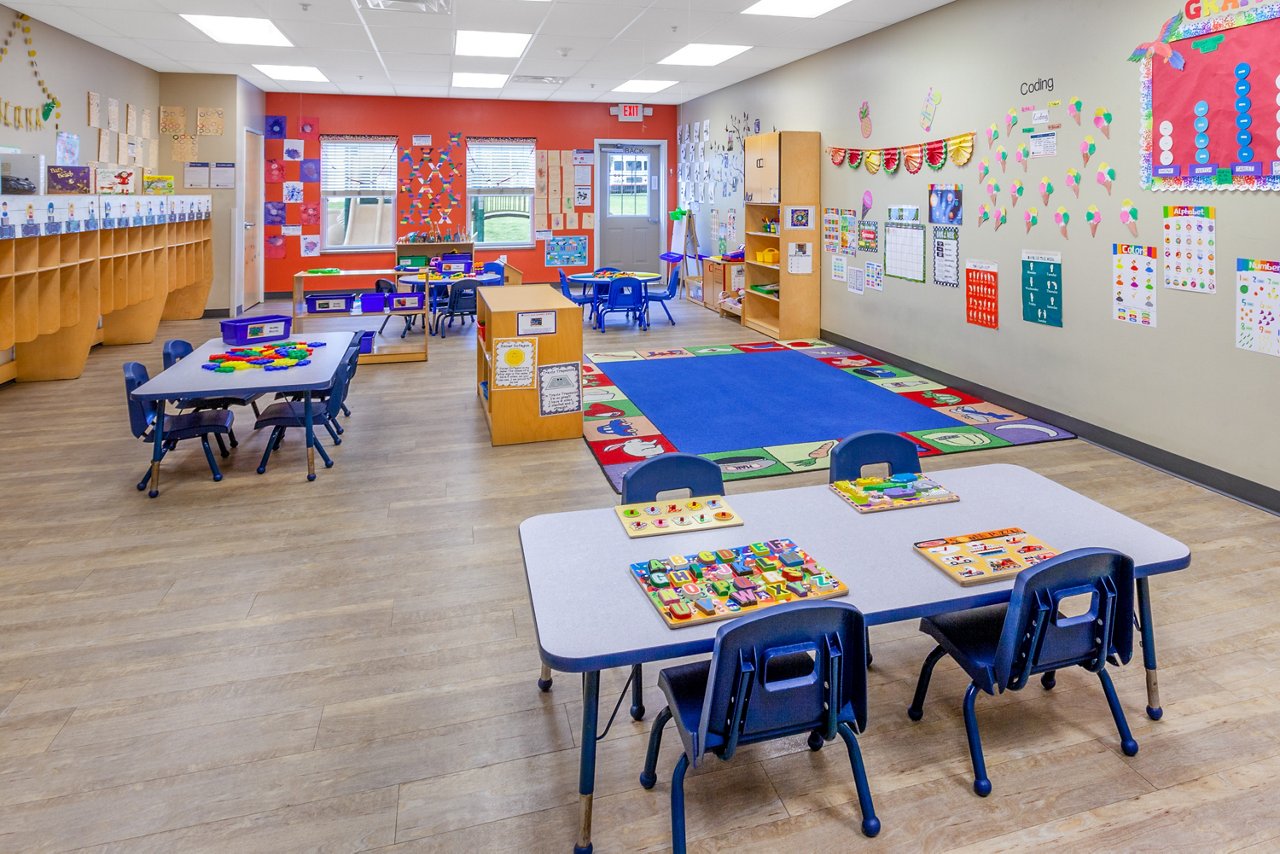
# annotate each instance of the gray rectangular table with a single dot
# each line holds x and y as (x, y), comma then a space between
(590, 614)
(187, 380)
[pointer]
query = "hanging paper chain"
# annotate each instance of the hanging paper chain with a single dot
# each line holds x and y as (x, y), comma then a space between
(934, 154)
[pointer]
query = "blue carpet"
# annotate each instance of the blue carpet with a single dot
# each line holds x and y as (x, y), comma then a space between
(705, 404)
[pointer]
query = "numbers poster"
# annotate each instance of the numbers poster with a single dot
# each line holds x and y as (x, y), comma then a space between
(1134, 284)
(904, 250)
(1042, 288)
(1258, 306)
(982, 293)
(1190, 249)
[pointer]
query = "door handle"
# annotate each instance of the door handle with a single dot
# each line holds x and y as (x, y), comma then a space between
(249, 225)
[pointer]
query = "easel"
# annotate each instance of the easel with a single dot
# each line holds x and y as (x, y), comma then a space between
(687, 239)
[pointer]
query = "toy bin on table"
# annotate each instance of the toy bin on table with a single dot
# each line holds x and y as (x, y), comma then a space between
(239, 331)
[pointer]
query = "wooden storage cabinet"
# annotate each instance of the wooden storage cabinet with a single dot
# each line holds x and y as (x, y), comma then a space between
(778, 302)
(406, 251)
(412, 349)
(514, 414)
(722, 278)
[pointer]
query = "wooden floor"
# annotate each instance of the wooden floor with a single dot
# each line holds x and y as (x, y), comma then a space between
(265, 664)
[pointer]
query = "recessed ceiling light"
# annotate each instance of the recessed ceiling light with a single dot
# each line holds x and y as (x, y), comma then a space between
(646, 86)
(704, 54)
(793, 8)
(473, 80)
(305, 73)
(479, 43)
(438, 7)
(231, 30)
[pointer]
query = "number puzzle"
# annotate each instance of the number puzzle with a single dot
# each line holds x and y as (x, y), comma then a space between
(708, 586)
(670, 517)
(985, 556)
(874, 494)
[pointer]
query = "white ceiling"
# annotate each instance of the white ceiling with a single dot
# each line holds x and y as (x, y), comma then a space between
(594, 44)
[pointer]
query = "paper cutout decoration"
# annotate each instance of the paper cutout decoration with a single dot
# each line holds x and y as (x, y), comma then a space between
(309, 127)
(309, 171)
(1073, 181)
(1160, 47)
(872, 160)
(913, 158)
(1093, 216)
(1023, 156)
(984, 169)
(1258, 306)
(1102, 121)
(293, 149)
(1088, 148)
(1061, 218)
(993, 133)
(929, 110)
(1003, 157)
(960, 148)
(864, 120)
(1074, 106)
(984, 214)
(1046, 189)
(1134, 284)
(275, 127)
(1011, 120)
(934, 154)
(1001, 216)
(1032, 218)
(1129, 216)
(868, 201)
(1106, 175)
(993, 190)
(892, 157)
(838, 155)
(1015, 192)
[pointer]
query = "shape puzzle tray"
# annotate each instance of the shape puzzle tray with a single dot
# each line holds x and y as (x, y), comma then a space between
(650, 519)
(985, 556)
(707, 586)
(874, 494)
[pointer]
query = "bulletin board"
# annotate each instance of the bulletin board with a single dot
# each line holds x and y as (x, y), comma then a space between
(1213, 125)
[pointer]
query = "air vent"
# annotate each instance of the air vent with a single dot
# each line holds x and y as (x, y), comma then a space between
(533, 78)
(431, 7)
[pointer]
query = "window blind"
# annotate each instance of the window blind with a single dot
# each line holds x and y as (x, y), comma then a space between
(363, 166)
(501, 165)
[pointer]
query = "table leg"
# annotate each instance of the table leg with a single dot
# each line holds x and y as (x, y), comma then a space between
(157, 450)
(587, 765)
(544, 679)
(311, 437)
(1154, 711)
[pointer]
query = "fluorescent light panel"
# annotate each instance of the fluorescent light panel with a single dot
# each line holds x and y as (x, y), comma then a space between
(793, 8)
(645, 86)
(704, 54)
(232, 30)
(474, 80)
(480, 43)
(303, 73)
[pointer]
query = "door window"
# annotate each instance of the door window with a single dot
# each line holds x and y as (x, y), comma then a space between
(628, 186)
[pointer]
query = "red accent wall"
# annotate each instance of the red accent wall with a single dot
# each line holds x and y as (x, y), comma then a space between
(555, 125)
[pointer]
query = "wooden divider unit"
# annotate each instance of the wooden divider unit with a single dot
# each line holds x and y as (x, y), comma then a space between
(55, 289)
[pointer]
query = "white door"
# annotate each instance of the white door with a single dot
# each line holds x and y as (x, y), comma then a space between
(252, 207)
(631, 184)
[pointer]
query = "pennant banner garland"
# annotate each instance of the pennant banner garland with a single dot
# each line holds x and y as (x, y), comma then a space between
(934, 154)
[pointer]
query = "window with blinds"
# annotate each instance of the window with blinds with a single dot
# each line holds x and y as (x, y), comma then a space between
(500, 184)
(358, 186)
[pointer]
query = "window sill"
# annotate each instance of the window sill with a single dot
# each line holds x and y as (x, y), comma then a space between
(487, 246)
(358, 250)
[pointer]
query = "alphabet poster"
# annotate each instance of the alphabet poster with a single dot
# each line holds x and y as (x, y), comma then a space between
(1134, 284)
(1042, 288)
(981, 293)
(1258, 306)
(1190, 249)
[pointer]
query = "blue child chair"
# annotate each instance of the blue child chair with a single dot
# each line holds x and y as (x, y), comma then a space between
(584, 299)
(173, 352)
(626, 294)
(496, 267)
(461, 304)
(671, 471)
(292, 413)
(177, 428)
(664, 296)
(870, 447)
(791, 669)
(1002, 646)
(606, 270)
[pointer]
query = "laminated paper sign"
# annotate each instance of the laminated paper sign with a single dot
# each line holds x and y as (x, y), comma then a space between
(559, 388)
(981, 293)
(514, 361)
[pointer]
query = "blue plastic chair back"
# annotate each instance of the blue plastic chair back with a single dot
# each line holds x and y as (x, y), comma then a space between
(625, 292)
(175, 350)
(496, 267)
(462, 296)
(142, 413)
(1037, 638)
(870, 447)
(672, 285)
(338, 391)
(606, 270)
(755, 690)
(384, 286)
(671, 471)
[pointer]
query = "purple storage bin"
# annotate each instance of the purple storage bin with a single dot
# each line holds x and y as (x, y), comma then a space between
(406, 302)
(373, 303)
(329, 303)
(240, 331)
(457, 262)
(366, 341)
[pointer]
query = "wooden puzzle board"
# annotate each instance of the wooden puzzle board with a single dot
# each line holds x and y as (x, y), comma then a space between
(876, 494)
(985, 556)
(691, 589)
(652, 519)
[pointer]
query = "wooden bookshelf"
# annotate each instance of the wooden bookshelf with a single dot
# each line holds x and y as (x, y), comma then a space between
(384, 350)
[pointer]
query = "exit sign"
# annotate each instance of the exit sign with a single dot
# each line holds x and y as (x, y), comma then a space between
(631, 112)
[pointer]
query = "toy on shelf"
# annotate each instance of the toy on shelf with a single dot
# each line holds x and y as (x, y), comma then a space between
(874, 494)
(279, 356)
(706, 586)
(985, 556)
(650, 519)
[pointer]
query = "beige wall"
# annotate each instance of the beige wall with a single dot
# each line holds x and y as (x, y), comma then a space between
(1183, 386)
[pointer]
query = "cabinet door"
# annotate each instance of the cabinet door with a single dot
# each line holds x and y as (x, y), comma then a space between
(762, 168)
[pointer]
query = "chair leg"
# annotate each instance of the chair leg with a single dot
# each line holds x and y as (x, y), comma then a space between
(663, 303)
(649, 776)
(385, 321)
(870, 824)
(1049, 679)
(333, 434)
(1127, 742)
(222, 446)
(328, 463)
(637, 692)
(273, 441)
(231, 434)
(916, 710)
(544, 679)
(677, 805)
(345, 411)
(866, 638)
(981, 784)
(208, 455)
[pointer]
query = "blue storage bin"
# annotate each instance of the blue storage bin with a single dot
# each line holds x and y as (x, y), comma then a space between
(373, 303)
(240, 331)
(329, 303)
(366, 341)
(406, 302)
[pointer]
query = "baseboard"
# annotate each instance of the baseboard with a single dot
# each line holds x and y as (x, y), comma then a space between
(215, 313)
(1233, 486)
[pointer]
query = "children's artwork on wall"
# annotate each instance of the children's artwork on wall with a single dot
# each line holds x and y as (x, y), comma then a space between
(946, 256)
(293, 149)
(273, 213)
(309, 245)
(67, 149)
(864, 120)
(1073, 182)
(1190, 249)
(113, 115)
(1129, 216)
(1106, 176)
(184, 147)
(292, 192)
(210, 121)
(984, 214)
(95, 110)
(309, 128)
(1208, 100)
(1074, 106)
(309, 213)
(929, 111)
(946, 204)
(275, 126)
(1042, 288)
(1032, 218)
(982, 293)
(1093, 217)
(904, 250)
(273, 246)
(999, 216)
(1134, 284)
(273, 171)
(1258, 306)
(869, 236)
(566, 251)
(1046, 189)
(309, 171)
(1062, 218)
(173, 120)
(874, 276)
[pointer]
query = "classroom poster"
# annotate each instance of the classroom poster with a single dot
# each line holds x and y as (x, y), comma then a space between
(946, 256)
(1134, 284)
(566, 251)
(830, 230)
(857, 280)
(1190, 249)
(1042, 288)
(800, 258)
(514, 361)
(848, 232)
(839, 268)
(1258, 306)
(559, 388)
(904, 250)
(946, 204)
(982, 293)
(874, 276)
(869, 236)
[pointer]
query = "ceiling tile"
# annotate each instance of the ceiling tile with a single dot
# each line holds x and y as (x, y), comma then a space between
(406, 40)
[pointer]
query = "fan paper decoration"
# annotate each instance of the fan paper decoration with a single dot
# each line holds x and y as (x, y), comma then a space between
(934, 154)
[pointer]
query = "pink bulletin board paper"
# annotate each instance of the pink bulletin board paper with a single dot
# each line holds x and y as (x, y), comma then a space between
(1221, 53)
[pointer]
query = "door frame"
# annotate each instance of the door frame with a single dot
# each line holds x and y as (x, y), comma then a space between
(602, 198)
(241, 209)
